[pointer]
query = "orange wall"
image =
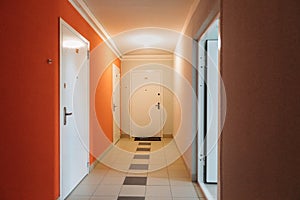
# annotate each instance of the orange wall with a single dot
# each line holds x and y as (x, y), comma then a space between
(103, 101)
(29, 141)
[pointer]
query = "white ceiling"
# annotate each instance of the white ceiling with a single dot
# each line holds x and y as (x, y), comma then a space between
(136, 24)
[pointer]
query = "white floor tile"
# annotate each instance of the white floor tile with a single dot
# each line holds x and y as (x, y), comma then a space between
(163, 173)
(158, 198)
(112, 172)
(168, 183)
(75, 197)
(158, 191)
(104, 198)
(113, 180)
(108, 190)
(183, 191)
(92, 179)
(84, 190)
(157, 181)
(133, 190)
(181, 182)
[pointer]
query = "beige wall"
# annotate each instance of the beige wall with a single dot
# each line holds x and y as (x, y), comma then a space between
(185, 64)
(185, 114)
(157, 64)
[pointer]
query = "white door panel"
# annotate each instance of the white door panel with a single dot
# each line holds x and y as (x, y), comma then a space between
(146, 110)
(116, 103)
(74, 94)
(212, 112)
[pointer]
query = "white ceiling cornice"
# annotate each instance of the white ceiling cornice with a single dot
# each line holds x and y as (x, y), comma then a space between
(84, 11)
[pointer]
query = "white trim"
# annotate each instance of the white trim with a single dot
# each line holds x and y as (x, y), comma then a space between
(148, 57)
(85, 12)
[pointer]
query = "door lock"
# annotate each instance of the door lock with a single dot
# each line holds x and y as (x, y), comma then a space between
(65, 115)
(158, 105)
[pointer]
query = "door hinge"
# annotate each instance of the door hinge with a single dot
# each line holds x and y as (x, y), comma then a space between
(88, 54)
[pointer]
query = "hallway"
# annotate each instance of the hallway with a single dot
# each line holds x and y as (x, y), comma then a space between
(258, 148)
(144, 175)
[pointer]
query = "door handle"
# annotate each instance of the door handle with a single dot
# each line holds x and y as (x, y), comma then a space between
(158, 106)
(65, 115)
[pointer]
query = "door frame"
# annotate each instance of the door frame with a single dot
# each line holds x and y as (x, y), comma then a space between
(119, 93)
(206, 71)
(161, 92)
(202, 64)
(62, 24)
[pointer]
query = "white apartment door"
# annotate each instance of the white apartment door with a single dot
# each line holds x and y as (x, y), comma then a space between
(201, 113)
(116, 103)
(211, 147)
(74, 109)
(146, 99)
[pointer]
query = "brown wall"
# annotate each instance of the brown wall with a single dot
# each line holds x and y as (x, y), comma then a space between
(260, 64)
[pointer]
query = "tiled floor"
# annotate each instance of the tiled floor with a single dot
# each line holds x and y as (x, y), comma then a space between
(139, 171)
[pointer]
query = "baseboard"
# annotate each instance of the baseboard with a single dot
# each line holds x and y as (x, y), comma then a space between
(189, 170)
(105, 152)
(93, 165)
(184, 161)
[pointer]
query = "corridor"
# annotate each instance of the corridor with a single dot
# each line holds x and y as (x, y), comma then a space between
(144, 174)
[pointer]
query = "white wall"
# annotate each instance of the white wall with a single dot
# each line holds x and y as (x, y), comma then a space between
(185, 87)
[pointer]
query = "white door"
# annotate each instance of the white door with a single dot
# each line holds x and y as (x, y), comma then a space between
(146, 109)
(201, 112)
(212, 112)
(116, 103)
(74, 108)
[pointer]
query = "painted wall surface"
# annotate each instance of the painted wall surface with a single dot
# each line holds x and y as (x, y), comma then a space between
(185, 63)
(100, 90)
(103, 102)
(184, 116)
(166, 66)
(29, 143)
(260, 64)
(205, 12)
